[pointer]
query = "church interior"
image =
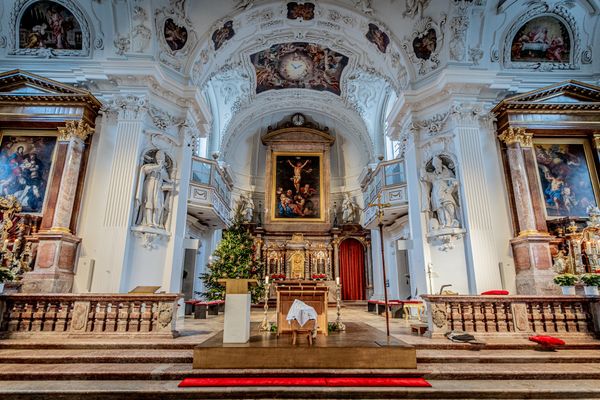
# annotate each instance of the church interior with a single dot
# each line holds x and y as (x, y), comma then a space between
(299, 199)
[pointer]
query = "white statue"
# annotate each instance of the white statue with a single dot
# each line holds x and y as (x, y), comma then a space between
(153, 189)
(349, 210)
(415, 7)
(248, 209)
(364, 6)
(441, 195)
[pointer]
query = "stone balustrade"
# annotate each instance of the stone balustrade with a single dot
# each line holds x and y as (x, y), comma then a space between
(513, 315)
(92, 315)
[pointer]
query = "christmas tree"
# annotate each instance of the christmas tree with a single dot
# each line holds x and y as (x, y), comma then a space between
(233, 258)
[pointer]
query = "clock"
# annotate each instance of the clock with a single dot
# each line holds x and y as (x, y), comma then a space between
(295, 66)
(298, 119)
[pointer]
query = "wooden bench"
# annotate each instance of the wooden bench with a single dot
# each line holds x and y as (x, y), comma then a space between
(201, 308)
(307, 329)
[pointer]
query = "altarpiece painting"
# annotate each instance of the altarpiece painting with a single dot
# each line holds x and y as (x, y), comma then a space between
(25, 163)
(297, 191)
(567, 176)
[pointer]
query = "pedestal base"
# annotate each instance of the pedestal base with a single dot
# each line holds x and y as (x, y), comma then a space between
(54, 264)
(533, 265)
(237, 318)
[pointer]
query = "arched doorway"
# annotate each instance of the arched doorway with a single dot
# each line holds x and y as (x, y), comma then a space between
(352, 270)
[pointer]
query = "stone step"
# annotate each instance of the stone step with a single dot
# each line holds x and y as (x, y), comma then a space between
(510, 371)
(63, 356)
(517, 356)
(167, 371)
(78, 344)
(168, 390)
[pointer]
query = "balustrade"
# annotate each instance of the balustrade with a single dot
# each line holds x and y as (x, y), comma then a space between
(517, 315)
(88, 314)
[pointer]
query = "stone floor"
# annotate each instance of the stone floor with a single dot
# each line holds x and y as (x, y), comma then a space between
(45, 368)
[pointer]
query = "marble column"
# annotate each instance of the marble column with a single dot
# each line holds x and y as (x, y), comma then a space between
(531, 248)
(54, 266)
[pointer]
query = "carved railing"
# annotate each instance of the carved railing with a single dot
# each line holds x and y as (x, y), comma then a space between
(22, 315)
(513, 315)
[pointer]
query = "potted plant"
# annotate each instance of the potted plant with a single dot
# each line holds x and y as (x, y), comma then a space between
(5, 276)
(591, 283)
(319, 277)
(277, 277)
(567, 283)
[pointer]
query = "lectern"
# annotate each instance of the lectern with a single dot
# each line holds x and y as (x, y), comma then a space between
(237, 309)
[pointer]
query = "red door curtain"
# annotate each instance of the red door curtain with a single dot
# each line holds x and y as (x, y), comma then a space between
(352, 270)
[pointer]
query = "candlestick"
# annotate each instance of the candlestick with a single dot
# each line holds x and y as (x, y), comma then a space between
(338, 322)
(265, 325)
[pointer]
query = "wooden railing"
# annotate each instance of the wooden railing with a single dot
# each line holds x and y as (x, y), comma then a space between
(513, 315)
(95, 315)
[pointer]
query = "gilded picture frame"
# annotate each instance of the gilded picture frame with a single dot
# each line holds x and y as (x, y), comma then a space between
(297, 187)
(26, 162)
(567, 176)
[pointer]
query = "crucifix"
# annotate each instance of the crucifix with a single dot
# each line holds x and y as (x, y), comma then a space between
(380, 207)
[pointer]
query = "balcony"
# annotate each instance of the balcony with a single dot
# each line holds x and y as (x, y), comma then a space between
(388, 178)
(209, 198)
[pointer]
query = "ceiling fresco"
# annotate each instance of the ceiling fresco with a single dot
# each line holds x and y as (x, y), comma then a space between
(298, 65)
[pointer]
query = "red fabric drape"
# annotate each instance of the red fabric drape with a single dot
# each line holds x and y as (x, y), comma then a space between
(352, 270)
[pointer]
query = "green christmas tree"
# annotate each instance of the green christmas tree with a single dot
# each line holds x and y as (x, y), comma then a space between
(233, 258)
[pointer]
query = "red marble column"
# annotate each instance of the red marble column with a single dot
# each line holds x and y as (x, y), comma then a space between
(57, 246)
(531, 248)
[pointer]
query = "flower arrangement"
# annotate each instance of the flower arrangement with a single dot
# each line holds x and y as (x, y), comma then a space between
(319, 276)
(566, 279)
(278, 277)
(6, 275)
(590, 279)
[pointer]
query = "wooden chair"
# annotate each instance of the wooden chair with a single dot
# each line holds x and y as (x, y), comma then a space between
(307, 329)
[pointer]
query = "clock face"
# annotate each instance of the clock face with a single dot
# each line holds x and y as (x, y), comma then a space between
(298, 119)
(295, 67)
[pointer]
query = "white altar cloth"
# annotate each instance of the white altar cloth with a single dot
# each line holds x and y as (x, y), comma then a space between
(301, 312)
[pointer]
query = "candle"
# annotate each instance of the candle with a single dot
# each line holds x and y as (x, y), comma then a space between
(337, 280)
(267, 279)
(588, 247)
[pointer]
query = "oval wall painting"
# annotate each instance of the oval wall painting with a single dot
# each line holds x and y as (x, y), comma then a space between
(175, 35)
(46, 24)
(542, 39)
(425, 44)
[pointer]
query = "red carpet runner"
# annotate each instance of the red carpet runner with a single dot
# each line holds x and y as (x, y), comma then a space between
(304, 381)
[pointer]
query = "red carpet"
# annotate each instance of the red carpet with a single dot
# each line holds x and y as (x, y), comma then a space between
(304, 381)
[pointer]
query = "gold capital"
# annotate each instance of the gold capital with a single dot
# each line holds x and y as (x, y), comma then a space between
(75, 129)
(517, 135)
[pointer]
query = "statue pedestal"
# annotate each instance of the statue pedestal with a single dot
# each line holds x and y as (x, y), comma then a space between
(237, 310)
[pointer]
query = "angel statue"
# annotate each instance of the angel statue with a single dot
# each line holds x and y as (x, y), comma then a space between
(441, 194)
(350, 210)
(154, 187)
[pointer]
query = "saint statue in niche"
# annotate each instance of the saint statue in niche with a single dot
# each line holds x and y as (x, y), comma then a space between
(350, 210)
(154, 188)
(441, 193)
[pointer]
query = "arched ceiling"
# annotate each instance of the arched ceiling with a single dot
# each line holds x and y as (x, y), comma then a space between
(228, 77)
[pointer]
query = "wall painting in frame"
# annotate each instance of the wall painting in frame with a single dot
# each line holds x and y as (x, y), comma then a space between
(25, 164)
(567, 176)
(297, 192)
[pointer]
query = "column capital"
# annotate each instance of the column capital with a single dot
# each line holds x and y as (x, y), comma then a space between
(597, 140)
(517, 135)
(74, 129)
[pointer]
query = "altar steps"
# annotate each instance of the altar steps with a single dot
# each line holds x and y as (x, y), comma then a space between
(168, 390)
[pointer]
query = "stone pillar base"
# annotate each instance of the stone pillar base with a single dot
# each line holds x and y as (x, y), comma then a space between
(533, 265)
(54, 264)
